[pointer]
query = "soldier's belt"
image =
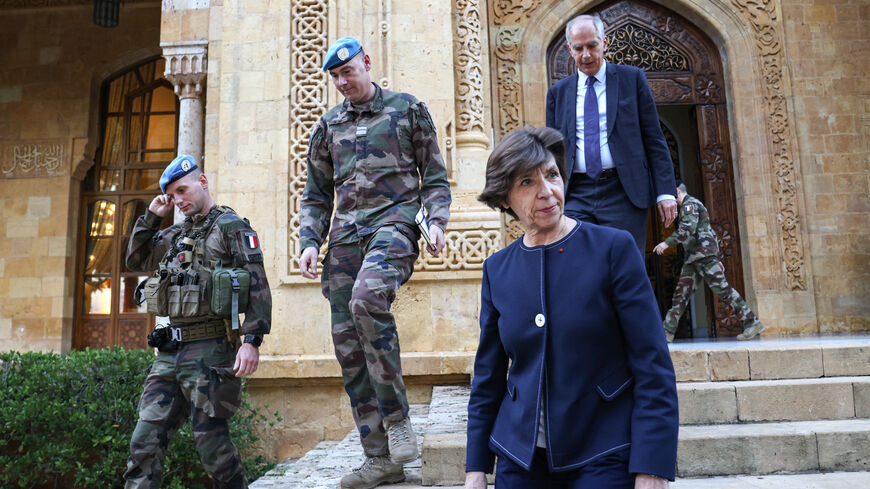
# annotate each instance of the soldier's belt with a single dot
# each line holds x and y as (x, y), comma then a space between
(198, 331)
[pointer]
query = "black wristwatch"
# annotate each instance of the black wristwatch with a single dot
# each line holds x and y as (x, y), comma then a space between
(254, 339)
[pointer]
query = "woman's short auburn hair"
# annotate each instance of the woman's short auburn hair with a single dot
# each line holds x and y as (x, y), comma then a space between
(520, 151)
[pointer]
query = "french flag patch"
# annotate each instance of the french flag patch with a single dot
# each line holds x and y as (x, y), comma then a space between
(251, 241)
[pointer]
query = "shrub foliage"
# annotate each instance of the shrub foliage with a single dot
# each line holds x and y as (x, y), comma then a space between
(66, 421)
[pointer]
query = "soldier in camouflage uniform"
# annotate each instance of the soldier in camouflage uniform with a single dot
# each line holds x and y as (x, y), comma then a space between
(198, 379)
(378, 154)
(702, 262)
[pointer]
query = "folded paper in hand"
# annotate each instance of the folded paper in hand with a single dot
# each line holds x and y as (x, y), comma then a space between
(423, 225)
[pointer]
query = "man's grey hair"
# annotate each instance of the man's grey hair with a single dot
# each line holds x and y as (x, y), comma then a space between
(596, 20)
(682, 187)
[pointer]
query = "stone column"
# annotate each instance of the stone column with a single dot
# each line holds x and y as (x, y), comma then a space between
(186, 69)
(472, 140)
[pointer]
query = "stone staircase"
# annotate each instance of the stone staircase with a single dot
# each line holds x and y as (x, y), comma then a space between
(772, 414)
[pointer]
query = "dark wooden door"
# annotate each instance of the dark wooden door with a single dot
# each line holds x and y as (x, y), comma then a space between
(683, 67)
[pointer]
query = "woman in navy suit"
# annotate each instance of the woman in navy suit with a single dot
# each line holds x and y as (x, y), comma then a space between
(573, 383)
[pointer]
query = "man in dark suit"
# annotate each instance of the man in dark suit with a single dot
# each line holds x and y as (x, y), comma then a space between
(616, 155)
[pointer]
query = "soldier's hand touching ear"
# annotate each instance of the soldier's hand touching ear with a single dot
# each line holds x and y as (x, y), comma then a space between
(161, 205)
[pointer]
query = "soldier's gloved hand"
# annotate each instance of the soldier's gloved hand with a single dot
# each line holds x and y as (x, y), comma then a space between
(437, 237)
(308, 262)
(161, 205)
(660, 248)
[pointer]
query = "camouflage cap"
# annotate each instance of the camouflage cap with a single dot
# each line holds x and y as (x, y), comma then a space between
(341, 51)
(179, 167)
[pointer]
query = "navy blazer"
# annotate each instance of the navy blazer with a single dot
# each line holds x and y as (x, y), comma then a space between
(598, 360)
(634, 136)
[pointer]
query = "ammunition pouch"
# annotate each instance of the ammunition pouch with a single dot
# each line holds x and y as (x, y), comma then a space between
(230, 288)
(154, 294)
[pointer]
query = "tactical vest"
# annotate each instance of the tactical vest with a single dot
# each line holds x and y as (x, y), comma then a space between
(183, 286)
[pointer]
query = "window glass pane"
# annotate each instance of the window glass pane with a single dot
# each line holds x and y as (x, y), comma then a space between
(110, 180)
(128, 286)
(97, 295)
(142, 179)
(135, 134)
(164, 100)
(112, 142)
(136, 105)
(161, 132)
(132, 210)
(98, 255)
(159, 157)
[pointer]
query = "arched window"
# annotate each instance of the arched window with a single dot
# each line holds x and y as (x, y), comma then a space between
(140, 126)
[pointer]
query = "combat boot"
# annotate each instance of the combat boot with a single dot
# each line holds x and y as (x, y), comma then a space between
(752, 331)
(402, 441)
(373, 472)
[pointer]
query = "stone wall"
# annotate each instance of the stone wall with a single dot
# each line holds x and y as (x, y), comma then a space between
(828, 47)
(49, 97)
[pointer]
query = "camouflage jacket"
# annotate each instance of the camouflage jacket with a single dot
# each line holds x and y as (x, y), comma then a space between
(694, 231)
(231, 242)
(380, 159)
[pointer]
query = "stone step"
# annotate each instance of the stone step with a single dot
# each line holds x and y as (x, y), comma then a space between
(772, 358)
(833, 480)
(723, 449)
(769, 448)
(774, 400)
(323, 467)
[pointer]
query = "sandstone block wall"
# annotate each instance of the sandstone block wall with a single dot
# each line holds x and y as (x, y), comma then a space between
(828, 46)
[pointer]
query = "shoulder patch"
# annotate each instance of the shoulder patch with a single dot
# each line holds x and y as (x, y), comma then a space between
(248, 247)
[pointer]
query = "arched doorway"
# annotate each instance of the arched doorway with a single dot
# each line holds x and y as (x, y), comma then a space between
(139, 125)
(684, 71)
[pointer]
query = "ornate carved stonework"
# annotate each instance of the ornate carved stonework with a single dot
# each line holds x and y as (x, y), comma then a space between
(507, 54)
(186, 67)
(468, 68)
(32, 159)
(511, 12)
(308, 86)
(762, 16)
(630, 44)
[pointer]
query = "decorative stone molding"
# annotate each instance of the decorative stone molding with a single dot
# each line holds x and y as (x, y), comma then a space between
(186, 67)
(308, 102)
(762, 16)
(468, 73)
(32, 159)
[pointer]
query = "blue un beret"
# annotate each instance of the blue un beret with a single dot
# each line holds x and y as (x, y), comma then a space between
(179, 167)
(341, 52)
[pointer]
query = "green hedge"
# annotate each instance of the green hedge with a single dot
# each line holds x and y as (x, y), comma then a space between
(66, 421)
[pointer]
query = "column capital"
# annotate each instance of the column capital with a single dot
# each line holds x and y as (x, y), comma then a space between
(186, 66)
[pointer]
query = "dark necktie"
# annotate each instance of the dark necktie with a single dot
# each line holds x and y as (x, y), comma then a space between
(591, 136)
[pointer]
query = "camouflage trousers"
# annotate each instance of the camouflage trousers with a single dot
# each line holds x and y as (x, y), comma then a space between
(713, 273)
(194, 382)
(360, 280)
